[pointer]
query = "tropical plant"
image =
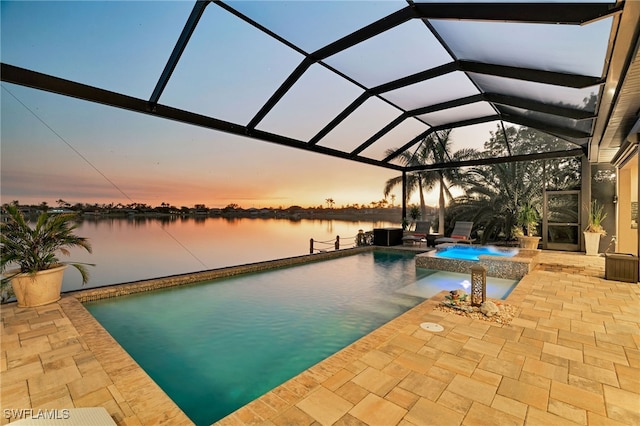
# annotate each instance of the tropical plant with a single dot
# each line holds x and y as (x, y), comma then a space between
(596, 215)
(495, 193)
(35, 249)
(434, 149)
(528, 218)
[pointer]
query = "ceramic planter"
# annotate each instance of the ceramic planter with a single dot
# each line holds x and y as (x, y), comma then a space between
(592, 242)
(529, 242)
(38, 289)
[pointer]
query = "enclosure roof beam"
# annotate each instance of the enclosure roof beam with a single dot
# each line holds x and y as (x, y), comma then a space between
(499, 160)
(48, 83)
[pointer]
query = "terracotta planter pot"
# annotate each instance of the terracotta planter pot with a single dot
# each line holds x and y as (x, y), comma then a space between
(592, 243)
(529, 242)
(38, 289)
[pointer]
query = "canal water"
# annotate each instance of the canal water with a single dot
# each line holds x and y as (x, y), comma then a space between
(131, 249)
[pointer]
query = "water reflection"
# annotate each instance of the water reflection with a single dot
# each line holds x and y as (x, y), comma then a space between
(136, 248)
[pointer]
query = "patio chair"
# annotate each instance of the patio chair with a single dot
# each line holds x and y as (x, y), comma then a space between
(461, 234)
(419, 234)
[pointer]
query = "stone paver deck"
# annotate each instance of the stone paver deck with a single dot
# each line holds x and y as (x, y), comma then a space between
(571, 356)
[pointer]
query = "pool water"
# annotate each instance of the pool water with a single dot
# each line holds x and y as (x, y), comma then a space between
(473, 252)
(216, 346)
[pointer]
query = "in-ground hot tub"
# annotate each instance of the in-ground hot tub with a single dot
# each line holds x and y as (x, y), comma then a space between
(511, 263)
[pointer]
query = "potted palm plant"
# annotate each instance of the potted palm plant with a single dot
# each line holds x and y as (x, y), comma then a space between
(528, 219)
(594, 229)
(36, 274)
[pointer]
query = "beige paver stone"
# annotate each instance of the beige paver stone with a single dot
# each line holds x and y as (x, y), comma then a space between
(375, 381)
(43, 330)
(633, 356)
(577, 397)
(357, 367)
(377, 359)
(470, 355)
(441, 374)
(428, 413)
(286, 394)
(402, 397)
(541, 335)
(324, 406)
(92, 399)
(594, 419)
(424, 386)
(352, 392)
(625, 340)
(509, 406)
(545, 369)
(261, 408)
(537, 416)
(519, 348)
(415, 361)
(567, 411)
(456, 364)
(472, 389)
(409, 343)
(524, 392)
(455, 402)
(562, 352)
(374, 410)
(293, 417)
(349, 420)
(594, 373)
(628, 377)
(15, 395)
(62, 352)
(523, 323)
(396, 370)
(616, 356)
(486, 377)
(41, 399)
(21, 372)
(506, 333)
(479, 413)
(501, 367)
(535, 380)
(338, 379)
(630, 401)
(443, 344)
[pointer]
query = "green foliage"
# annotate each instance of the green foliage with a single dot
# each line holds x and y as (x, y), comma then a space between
(435, 148)
(596, 215)
(35, 249)
(414, 212)
(528, 218)
(494, 194)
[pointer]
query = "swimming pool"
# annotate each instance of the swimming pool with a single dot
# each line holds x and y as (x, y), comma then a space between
(216, 346)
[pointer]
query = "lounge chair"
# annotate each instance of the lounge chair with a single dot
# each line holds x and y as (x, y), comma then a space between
(461, 234)
(419, 234)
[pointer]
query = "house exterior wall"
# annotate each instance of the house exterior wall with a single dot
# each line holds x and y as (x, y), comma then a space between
(626, 233)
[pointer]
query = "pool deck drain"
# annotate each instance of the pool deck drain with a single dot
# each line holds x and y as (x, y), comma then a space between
(432, 326)
(571, 356)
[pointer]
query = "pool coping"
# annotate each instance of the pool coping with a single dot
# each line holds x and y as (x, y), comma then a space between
(140, 286)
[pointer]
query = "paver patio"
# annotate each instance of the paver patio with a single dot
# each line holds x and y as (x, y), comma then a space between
(570, 356)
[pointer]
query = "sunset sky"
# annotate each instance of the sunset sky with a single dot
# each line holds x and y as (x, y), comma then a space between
(54, 147)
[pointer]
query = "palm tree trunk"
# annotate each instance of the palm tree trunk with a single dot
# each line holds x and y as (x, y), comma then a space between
(441, 209)
(423, 206)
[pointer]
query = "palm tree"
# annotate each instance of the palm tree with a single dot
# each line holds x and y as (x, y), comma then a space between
(435, 148)
(495, 194)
